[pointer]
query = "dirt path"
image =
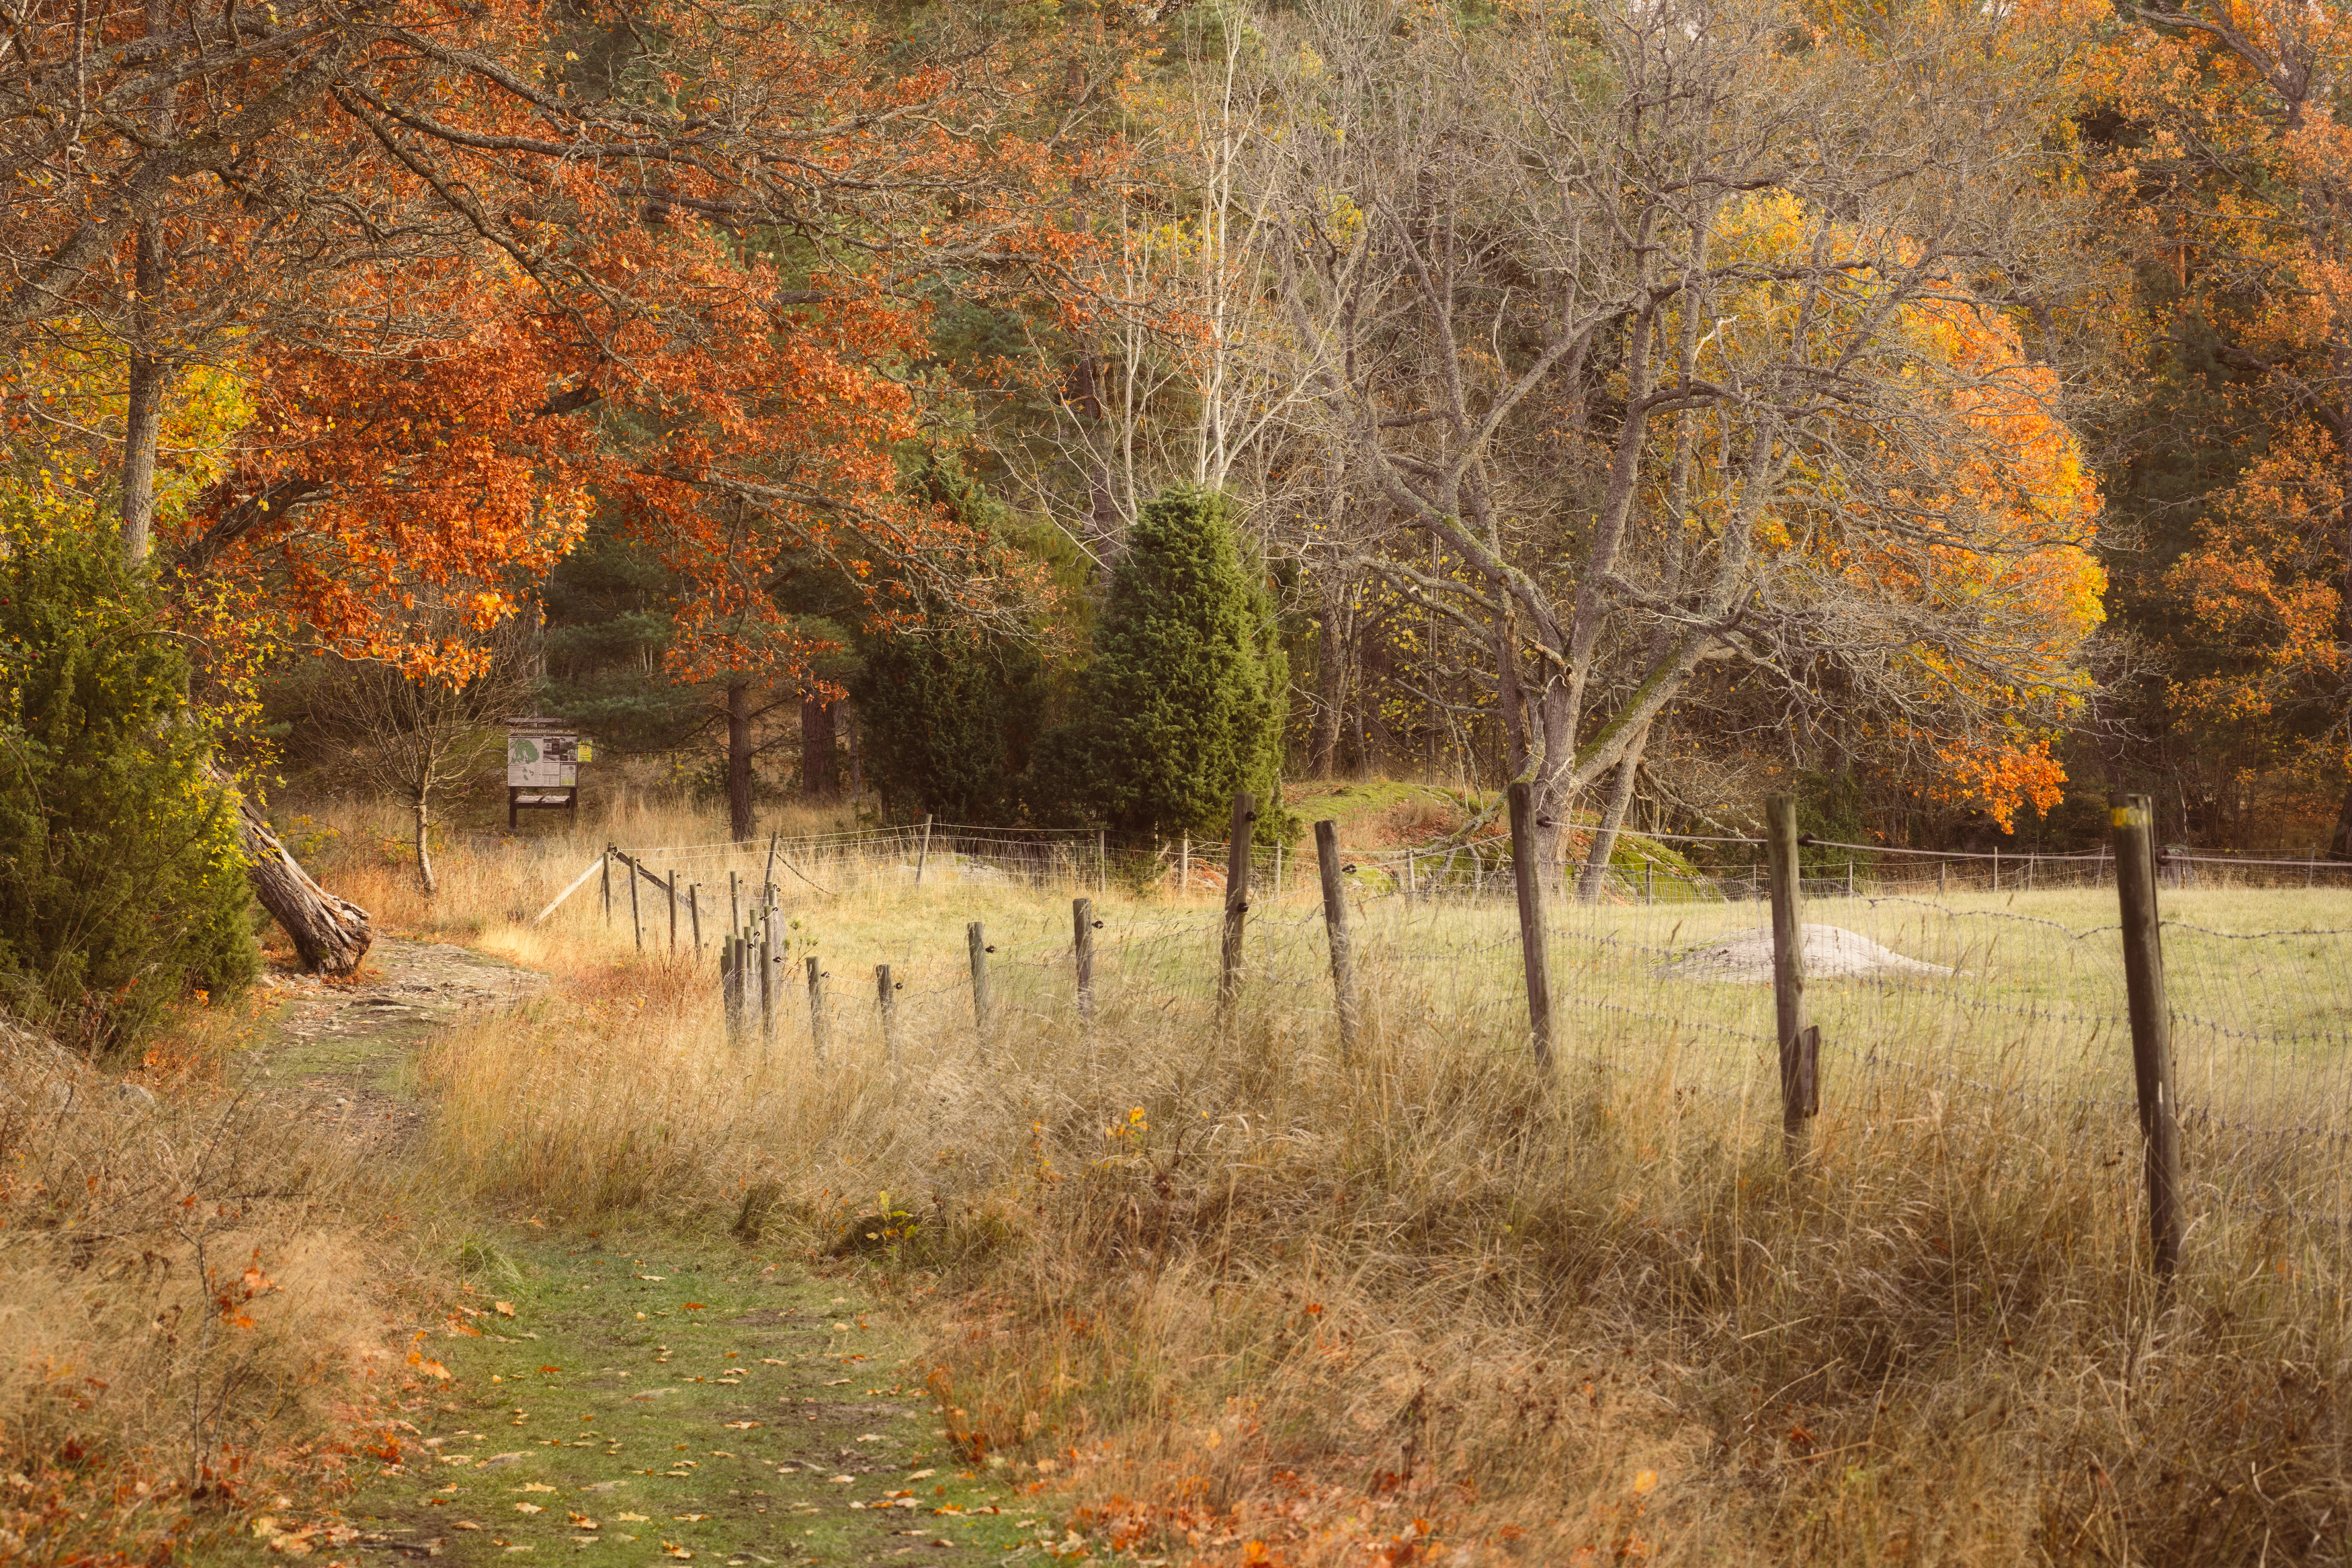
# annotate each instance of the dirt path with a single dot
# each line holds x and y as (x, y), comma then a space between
(347, 1051)
(641, 1396)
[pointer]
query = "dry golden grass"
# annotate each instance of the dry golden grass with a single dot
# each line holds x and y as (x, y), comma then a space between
(1263, 1304)
(193, 1314)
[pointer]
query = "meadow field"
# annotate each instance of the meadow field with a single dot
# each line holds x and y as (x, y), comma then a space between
(1252, 1299)
(1224, 1291)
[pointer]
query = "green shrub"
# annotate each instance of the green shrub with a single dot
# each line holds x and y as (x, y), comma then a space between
(947, 719)
(121, 880)
(1183, 706)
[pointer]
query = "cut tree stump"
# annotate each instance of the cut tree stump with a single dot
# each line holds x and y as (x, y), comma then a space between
(331, 934)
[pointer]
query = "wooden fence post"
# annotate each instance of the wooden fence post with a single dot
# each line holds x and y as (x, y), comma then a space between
(1237, 872)
(734, 905)
(1184, 864)
(886, 1004)
(975, 939)
(1102, 861)
(924, 852)
(1849, 878)
(1335, 927)
(768, 987)
(1082, 948)
(694, 914)
(2151, 1023)
(608, 884)
(1799, 1042)
(731, 990)
(1649, 882)
(673, 909)
(635, 924)
(1526, 876)
(1940, 867)
(817, 1031)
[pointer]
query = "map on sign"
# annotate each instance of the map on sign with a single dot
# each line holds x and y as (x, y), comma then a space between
(543, 762)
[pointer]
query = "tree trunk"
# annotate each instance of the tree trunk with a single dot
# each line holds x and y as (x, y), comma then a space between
(820, 764)
(331, 934)
(424, 848)
(1332, 639)
(143, 415)
(739, 759)
(143, 421)
(1102, 514)
(1612, 816)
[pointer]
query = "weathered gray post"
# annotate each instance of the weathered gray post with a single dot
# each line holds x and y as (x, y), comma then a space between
(673, 909)
(731, 988)
(635, 924)
(923, 853)
(975, 939)
(1082, 949)
(1335, 927)
(1527, 874)
(694, 912)
(886, 1004)
(2151, 1023)
(1799, 1043)
(817, 1031)
(734, 905)
(1238, 870)
(768, 987)
(608, 884)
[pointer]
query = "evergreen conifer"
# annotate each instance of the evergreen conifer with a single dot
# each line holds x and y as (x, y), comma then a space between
(1183, 707)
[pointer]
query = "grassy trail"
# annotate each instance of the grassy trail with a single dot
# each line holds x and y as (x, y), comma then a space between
(640, 1396)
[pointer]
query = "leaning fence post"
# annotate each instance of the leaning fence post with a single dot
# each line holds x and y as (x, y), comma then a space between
(887, 1005)
(634, 923)
(1237, 872)
(924, 852)
(816, 1007)
(1334, 926)
(673, 909)
(1799, 1043)
(1082, 949)
(975, 939)
(694, 914)
(1535, 952)
(2151, 1024)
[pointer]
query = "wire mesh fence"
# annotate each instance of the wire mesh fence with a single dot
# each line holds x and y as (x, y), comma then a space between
(1934, 985)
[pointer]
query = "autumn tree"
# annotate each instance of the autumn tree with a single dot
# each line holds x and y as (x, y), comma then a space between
(1639, 319)
(2228, 174)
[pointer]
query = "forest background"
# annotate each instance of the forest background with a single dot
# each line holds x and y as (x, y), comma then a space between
(1668, 410)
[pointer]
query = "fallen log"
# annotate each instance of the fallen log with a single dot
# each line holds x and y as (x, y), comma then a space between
(331, 934)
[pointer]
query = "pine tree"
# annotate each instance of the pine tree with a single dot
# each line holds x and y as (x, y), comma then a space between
(1183, 705)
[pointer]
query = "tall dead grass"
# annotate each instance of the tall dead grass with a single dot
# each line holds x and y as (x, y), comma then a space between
(1266, 1306)
(191, 1314)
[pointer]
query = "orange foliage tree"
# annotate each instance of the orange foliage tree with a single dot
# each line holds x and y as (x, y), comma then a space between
(1683, 388)
(2234, 174)
(489, 269)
